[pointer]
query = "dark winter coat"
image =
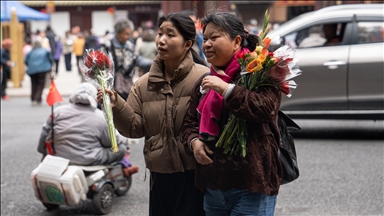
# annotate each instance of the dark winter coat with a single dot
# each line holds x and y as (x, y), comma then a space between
(260, 171)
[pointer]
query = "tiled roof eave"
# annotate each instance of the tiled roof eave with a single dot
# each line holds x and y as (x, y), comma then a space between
(86, 3)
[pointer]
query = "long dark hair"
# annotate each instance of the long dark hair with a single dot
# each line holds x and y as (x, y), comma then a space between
(233, 26)
(186, 27)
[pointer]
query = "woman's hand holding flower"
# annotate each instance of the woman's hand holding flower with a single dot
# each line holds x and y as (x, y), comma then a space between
(201, 151)
(111, 94)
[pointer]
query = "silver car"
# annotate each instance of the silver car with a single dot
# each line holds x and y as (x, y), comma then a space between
(340, 51)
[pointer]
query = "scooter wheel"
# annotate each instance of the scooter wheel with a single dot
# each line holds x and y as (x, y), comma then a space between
(51, 206)
(120, 191)
(103, 200)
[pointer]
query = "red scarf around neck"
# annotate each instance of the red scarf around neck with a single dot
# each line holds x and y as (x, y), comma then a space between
(211, 105)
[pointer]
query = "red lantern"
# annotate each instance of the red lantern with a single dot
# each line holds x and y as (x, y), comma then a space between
(111, 10)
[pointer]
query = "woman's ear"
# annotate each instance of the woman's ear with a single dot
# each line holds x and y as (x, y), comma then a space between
(237, 43)
(188, 45)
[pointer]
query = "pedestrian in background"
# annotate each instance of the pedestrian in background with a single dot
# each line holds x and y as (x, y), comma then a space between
(6, 65)
(78, 50)
(233, 185)
(90, 40)
(198, 46)
(67, 50)
(124, 57)
(51, 36)
(27, 46)
(155, 109)
(147, 47)
(44, 41)
(57, 54)
(39, 62)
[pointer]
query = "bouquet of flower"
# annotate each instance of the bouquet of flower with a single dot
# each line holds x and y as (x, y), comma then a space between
(99, 70)
(260, 68)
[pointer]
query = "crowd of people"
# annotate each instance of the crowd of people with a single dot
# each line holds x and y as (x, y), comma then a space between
(188, 72)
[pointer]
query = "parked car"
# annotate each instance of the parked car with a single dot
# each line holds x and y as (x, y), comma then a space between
(343, 76)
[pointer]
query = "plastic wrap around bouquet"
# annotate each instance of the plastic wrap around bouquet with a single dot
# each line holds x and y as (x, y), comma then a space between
(98, 69)
(260, 68)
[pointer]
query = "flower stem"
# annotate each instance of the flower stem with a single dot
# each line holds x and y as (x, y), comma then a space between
(108, 111)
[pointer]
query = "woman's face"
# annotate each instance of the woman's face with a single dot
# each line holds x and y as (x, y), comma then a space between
(124, 36)
(170, 43)
(218, 47)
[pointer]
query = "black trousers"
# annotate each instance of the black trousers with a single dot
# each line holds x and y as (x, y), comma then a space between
(68, 59)
(38, 82)
(175, 195)
(6, 75)
(57, 66)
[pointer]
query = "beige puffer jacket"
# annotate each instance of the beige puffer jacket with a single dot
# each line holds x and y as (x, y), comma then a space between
(155, 109)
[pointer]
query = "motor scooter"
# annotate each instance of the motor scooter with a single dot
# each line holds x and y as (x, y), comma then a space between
(56, 182)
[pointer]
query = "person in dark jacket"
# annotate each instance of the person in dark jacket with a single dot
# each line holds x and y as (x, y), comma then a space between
(90, 40)
(6, 65)
(233, 184)
(39, 62)
(124, 58)
(51, 38)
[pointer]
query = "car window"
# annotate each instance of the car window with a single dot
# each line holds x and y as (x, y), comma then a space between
(327, 34)
(370, 32)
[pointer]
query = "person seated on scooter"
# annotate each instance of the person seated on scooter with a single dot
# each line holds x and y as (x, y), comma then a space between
(80, 131)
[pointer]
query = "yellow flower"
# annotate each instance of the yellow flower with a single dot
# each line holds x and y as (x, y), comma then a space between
(254, 66)
(259, 49)
(253, 55)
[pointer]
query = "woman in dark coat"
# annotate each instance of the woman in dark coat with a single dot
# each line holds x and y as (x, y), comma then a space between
(233, 184)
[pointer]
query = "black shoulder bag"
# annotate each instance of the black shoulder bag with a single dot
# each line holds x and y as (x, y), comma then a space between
(287, 150)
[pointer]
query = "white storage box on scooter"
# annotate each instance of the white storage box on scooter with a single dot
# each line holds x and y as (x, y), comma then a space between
(54, 182)
(57, 183)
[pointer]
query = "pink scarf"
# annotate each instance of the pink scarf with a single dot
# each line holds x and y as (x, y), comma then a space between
(211, 105)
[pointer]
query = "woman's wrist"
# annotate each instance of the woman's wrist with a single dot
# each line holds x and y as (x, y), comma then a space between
(190, 143)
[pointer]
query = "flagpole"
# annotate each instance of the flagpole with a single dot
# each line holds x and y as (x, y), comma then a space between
(53, 148)
(52, 98)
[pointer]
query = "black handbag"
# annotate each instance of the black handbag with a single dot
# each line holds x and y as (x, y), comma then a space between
(287, 150)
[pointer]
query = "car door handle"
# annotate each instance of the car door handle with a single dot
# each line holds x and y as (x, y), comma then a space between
(333, 64)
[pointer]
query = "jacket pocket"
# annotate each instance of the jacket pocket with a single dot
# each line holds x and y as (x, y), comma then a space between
(156, 155)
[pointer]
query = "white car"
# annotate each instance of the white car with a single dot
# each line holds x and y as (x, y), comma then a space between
(342, 77)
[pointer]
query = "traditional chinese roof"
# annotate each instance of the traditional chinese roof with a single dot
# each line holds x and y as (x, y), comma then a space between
(85, 3)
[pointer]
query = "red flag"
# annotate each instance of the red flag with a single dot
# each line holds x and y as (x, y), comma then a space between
(53, 95)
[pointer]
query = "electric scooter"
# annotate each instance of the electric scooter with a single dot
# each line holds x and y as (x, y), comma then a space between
(56, 182)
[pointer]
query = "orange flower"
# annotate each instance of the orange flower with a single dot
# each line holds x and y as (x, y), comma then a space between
(263, 55)
(254, 66)
(266, 42)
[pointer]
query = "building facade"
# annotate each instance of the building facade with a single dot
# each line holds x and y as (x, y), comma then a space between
(101, 15)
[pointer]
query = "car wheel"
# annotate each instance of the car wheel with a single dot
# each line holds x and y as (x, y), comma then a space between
(120, 191)
(103, 200)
